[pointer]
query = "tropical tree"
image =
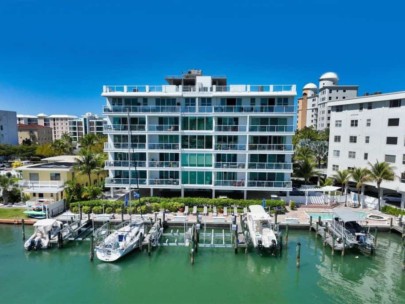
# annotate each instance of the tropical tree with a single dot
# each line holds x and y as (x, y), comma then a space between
(342, 178)
(380, 172)
(86, 163)
(305, 169)
(45, 150)
(64, 145)
(91, 192)
(93, 142)
(100, 160)
(73, 191)
(7, 185)
(303, 153)
(360, 176)
(320, 150)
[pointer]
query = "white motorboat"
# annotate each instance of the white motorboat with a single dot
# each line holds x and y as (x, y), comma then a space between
(263, 233)
(45, 232)
(121, 242)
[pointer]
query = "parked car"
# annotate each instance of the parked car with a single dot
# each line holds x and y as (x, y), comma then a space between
(393, 198)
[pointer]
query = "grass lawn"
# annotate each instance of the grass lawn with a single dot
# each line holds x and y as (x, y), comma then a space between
(12, 213)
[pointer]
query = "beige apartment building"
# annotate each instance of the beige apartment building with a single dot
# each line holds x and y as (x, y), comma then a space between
(38, 135)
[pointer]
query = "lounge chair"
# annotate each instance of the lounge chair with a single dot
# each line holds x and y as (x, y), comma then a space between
(186, 210)
(194, 210)
(205, 212)
(225, 211)
(235, 211)
(245, 210)
(214, 211)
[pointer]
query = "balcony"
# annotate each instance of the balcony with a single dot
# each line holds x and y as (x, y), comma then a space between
(140, 109)
(124, 146)
(269, 184)
(165, 128)
(258, 128)
(160, 182)
(164, 164)
(244, 88)
(124, 182)
(166, 146)
(123, 127)
(230, 165)
(257, 109)
(238, 147)
(230, 128)
(125, 164)
(40, 184)
(230, 183)
(270, 147)
(270, 166)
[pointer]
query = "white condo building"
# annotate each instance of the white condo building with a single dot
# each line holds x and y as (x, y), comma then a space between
(314, 106)
(87, 124)
(58, 123)
(8, 128)
(199, 133)
(366, 129)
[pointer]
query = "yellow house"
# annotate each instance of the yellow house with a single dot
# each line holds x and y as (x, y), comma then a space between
(46, 181)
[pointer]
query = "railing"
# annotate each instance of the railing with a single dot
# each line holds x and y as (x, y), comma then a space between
(267, 147)
(267, 184)
(230, 147)
(108, 146)
(257, 109)
(164, 164)
(258, 128)
(124, 127)
(125, 163)
(175, 89)
(171, 146)
(125, 181)
(231, 165)
(163, 128)
(140, 109)
(40, 184)
(205, 109)
(270, 166)
(230, 183)
(170, 181)
(230, 128)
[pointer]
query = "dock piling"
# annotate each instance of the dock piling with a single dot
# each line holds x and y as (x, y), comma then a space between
(344, 246)
(80, 212)
(310, 222)
(286, 235)
(316, 230)
(333, 245)
(375, 236)
(122, 213)
(298, 259)
(390, 224)
(92, 248)
(275, 217)
(23, 229)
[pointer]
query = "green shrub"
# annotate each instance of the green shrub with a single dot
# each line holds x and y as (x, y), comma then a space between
(292, 205)
(97, 210)
(86, 209)
(74, 209)
(109, 210)
(392, 210)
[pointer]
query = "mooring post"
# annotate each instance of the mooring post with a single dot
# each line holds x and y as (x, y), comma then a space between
(324, 235)
(60, 240)
(23, 229)
(344, 245)
(149, 247)
(333, 245)
(80, 213)
(298, 249)
(155, 214)
(375, 237)
(316, 230)
(122, 212)
(390, 224)
(403, 261)
(275, 217)
(319, 221)
(192, 256)
(164, 217)
(92, 247)
(310, 222)
(286, 235)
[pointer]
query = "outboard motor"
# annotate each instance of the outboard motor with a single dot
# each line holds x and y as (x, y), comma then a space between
(38, 244)
(31, 245)
(273, 246)
(260, 244)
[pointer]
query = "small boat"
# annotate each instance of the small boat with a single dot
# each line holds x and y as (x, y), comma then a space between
(46, 231)
(121, 242)
(263, 233)
(35, 214)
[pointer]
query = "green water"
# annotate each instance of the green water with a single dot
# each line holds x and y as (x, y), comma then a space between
(218, 275)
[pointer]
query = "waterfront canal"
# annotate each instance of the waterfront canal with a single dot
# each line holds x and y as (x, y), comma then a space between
(218, 275)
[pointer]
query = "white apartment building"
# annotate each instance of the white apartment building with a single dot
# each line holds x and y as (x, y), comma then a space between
(199, 133)
(366, 129)
(58, 123)
(8, 128)
(87, 124)
(314, 106)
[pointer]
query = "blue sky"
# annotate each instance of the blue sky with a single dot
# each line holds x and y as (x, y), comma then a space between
(56, 55)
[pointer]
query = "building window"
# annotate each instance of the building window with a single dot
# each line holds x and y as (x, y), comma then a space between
(368, 122)
(395, 103)
(335, 167)
(393, 122)
(360, 106)
(330, 98)
(367, 139)
(339, 108)
(352, 154)
(392, 140)
(403, 177)
(389, 158)
(353, 139)
(55, 176)
(365, 156)
(337, 138)
(338, 123)
(336, 153)
(403, 159)
(354, 123)
(350, 168)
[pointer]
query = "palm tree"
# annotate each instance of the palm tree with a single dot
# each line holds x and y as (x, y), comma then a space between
(320, 150)
(100, 160)
(342, 178)
(86, 163)
(73, 191)
(380, 172)
(7, 183)
(360, 177)
(305, 169)
(303, 153)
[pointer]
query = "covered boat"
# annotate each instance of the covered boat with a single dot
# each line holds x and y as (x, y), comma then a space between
(45, 231)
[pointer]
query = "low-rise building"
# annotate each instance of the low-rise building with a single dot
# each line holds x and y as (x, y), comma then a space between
(37, 134)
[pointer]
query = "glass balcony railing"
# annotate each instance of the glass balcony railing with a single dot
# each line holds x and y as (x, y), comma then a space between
(230, 128)
(270, 166)
(230, 147)
(169, 146)
(230, 183)
(270, 147)
(164, 164)
(257, 128)
(163, 128)
(125, 163)
(125, 146)
(158, 181)
(269, 184)
(255, 109)
(124, 127)
(125, 181)
(230, 165)
(141, 109)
